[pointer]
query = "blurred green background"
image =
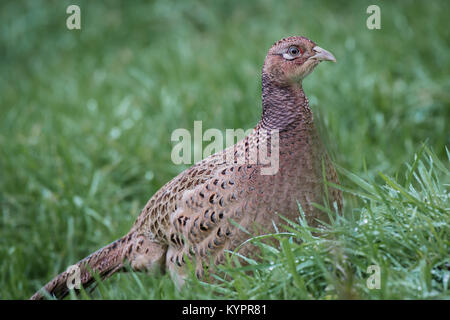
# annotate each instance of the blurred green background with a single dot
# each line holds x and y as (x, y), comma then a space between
(86, 115)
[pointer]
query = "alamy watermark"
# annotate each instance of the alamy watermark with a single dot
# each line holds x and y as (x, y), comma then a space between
(74, 20)
(374, 20)
(374, 281)
(265, 152)
(74, 279)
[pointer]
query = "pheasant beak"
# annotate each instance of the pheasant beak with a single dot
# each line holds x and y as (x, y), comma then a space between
(322, 55)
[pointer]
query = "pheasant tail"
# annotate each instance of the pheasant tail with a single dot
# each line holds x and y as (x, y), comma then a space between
(104, 262)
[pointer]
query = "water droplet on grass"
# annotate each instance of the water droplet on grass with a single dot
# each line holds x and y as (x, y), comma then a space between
(92, 105)
(115, 133)
(78, 201)
(127, 124)
(149, 175)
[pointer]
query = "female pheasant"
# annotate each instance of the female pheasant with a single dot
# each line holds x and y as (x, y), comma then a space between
(191, 217)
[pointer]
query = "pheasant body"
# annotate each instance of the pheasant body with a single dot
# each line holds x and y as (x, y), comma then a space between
(194, 215)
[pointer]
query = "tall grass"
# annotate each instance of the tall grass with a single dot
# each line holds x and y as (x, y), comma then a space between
(403, 228)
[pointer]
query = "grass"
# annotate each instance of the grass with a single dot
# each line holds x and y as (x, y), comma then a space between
(86, 118)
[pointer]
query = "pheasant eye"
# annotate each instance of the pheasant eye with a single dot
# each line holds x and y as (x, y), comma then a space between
(294, 51)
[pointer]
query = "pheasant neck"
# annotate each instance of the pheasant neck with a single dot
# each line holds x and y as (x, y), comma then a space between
(284, 107)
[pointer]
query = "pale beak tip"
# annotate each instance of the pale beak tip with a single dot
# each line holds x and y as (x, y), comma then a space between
(323, 55)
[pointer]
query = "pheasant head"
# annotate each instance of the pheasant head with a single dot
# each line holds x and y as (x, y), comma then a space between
(291, 59)
(287, 63)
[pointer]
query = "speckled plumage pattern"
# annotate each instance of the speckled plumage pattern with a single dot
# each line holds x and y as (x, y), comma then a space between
(190, 217)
